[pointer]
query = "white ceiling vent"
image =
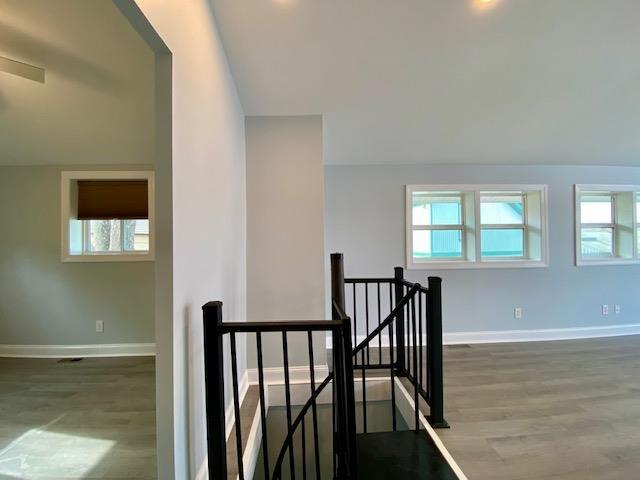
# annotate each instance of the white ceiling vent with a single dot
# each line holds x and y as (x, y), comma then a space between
(21, 69)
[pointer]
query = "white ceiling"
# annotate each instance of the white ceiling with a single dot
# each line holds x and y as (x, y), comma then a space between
(436, 81)
(96, 105)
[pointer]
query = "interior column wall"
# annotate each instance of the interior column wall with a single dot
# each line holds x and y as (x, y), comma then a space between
(285, 230)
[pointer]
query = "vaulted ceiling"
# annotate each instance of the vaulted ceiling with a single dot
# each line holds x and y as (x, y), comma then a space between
(436, 81)
(96, 104)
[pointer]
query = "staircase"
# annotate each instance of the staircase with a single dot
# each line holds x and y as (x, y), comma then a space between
(396, 327)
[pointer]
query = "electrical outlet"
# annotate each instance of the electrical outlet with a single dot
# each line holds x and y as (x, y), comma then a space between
(517, 313)
(618, 309)
(605, 309)
(99, 326)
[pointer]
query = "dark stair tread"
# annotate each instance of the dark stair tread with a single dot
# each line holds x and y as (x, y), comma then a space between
(402, 455)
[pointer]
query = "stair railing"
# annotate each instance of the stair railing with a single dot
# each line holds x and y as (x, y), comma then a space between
(341, 379)
(413, 328)
(409, 344)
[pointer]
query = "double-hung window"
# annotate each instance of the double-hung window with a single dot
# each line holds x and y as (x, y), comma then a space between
(476, 226)
(607, 224)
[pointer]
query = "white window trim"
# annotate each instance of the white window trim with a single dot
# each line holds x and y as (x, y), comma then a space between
(478, 263)
(69, 176)
(579, 189)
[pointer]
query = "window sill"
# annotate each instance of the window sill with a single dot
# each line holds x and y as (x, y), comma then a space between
(606, 262)
(466, 265)
(88, 258)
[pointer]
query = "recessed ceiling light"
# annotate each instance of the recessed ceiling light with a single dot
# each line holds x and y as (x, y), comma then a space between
(484, 4)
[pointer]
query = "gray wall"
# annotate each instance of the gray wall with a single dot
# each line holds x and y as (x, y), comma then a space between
(46, 302)
(365, 220)
(285, 228)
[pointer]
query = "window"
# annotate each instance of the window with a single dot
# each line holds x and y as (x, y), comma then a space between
(438, 226)
(607, 224)
(503, 225)
(476, 226)
(637, 224)
(107, 216)
(115, 235)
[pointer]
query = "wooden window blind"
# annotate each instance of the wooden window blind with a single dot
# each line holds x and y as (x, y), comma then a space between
(113, 199)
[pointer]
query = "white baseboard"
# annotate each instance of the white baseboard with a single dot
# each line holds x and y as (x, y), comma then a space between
(73, 351)
(540, 335)
(275, 375)
(514, 336)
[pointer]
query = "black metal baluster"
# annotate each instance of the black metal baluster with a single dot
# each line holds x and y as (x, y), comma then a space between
(349, 400)
(333, 421)
(415, 360)
(355, 317)
(366, 311)
(379, 322)
(304, 450)
(287, 391)
(364, 396)
(427, 347)
(236, 405)
(314, 409)
(263, 407)
(420, 338)
(407, 333)
(392, 363)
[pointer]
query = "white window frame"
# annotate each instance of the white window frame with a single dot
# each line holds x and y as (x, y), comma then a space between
(66, 183)
(616, 225)
(472, 228)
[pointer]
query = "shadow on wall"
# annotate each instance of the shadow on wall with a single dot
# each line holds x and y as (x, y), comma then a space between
(187, 386)
(56, 58)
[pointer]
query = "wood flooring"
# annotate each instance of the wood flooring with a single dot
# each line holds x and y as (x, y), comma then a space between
(565, 410)
(89, 419)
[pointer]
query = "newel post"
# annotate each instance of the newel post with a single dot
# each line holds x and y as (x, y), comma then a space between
(434, 339)
(400, 338)
(337, 281)
(214, 390)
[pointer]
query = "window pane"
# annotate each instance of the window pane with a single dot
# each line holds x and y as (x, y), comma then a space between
(597, 242)
(75, 237)
(434, 210)
(103, 236)
(596, 208)
(502, 210)
(433, 244)
(136, 235)
(498, 243)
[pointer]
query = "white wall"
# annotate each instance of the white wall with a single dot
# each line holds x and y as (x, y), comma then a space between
(365, 220)
(208, 188)
(285, 228)
(44, 301)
